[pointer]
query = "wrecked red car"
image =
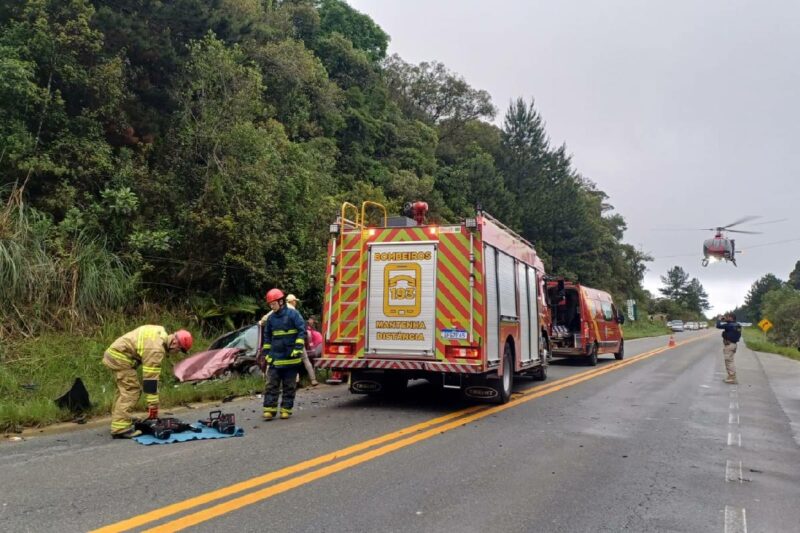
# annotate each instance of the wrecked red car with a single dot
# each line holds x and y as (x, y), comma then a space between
(234, 352)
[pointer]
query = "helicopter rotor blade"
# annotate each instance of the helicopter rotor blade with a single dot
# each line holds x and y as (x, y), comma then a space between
(742, 231)
(770, 222)
(740, 221)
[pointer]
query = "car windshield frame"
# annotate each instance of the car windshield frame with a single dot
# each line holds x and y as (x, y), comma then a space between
(246, 339)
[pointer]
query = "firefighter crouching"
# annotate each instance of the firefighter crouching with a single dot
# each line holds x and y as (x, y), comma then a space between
(284, 341)
(145, 346)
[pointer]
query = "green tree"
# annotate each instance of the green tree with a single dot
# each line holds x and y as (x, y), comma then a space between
(299, 93)
(675, 283)
(794, 277)
(338, 17)
(782, 306)
(432, 93)
(473, 181)
(59, 93)
(755, 297)
(696, 297)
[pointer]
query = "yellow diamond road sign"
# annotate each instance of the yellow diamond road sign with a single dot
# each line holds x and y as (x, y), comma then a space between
(765, 325)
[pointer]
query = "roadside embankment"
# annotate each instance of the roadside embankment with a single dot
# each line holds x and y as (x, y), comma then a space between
(756, 341)
(36, 371)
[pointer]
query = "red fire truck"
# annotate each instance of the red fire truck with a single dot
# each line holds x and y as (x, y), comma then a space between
(461, 305)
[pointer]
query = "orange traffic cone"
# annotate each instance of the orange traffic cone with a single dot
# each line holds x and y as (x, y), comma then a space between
(671, 341)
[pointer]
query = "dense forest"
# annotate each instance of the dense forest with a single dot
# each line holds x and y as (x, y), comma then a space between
(191, 153)
(779, 302)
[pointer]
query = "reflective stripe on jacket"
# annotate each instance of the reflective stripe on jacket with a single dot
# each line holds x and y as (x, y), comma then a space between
(284, 337)
(146, 345)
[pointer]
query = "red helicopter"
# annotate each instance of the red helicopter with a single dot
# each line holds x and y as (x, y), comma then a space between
(720, 248)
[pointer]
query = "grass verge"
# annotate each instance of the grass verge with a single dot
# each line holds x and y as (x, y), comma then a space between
(34, 372)
(641, 328)
(755, 340)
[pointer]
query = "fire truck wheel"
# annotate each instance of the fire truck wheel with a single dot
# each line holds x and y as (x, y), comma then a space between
(546, 346)
(507, 382)
(621, 353)
(591, 359)
(540, 373)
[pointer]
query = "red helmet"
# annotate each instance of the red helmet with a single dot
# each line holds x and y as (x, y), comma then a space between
(274, 294)
(184, 340)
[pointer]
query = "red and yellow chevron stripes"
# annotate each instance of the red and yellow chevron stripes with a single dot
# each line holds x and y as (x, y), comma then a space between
(348, 313)
(348, 296)
(344, 297)
(453, 291)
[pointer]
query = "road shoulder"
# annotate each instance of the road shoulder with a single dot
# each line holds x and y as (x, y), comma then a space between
(783, 375)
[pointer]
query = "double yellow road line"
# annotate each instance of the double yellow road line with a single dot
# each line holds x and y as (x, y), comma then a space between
(346, 457)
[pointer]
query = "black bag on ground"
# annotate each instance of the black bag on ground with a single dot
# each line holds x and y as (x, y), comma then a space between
(75, 399)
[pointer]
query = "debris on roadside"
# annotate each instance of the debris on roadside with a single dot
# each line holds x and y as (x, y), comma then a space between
(76, 399)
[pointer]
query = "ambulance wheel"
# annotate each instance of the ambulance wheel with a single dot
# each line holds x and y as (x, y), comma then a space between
(591, 359)
(621, 353)
(506, 383)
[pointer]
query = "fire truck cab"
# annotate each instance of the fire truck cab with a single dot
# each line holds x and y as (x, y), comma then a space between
(585, 322)
(461, 305)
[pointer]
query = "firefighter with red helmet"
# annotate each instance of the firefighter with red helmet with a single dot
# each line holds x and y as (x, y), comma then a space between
(145, 346)
(284, 337)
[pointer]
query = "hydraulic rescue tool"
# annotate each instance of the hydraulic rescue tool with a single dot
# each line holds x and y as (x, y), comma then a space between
(163, 428)
(223, 422)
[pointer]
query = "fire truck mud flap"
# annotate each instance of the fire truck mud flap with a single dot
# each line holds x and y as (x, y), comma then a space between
(380, 382)
(493, 388)
(482, 392)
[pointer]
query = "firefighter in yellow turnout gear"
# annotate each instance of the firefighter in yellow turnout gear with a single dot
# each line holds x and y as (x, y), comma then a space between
(145, 346)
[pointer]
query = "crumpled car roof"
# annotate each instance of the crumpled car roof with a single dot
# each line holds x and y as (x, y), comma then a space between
(205, 365)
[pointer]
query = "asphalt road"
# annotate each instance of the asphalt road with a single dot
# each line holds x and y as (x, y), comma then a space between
(653, 443)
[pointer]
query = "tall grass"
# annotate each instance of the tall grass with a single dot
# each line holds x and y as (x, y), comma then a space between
(756, 340)
(47, 282)
(38, 370)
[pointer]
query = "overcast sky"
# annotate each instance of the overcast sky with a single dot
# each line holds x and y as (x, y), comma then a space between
(686, 113)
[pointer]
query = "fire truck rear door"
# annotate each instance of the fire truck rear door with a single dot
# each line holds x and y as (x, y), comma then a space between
(401, 308)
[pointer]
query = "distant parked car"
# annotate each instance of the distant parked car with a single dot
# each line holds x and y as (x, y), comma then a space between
(677, 325)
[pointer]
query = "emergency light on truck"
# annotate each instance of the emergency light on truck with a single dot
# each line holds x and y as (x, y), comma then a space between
(460, 351)
(341, 349)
